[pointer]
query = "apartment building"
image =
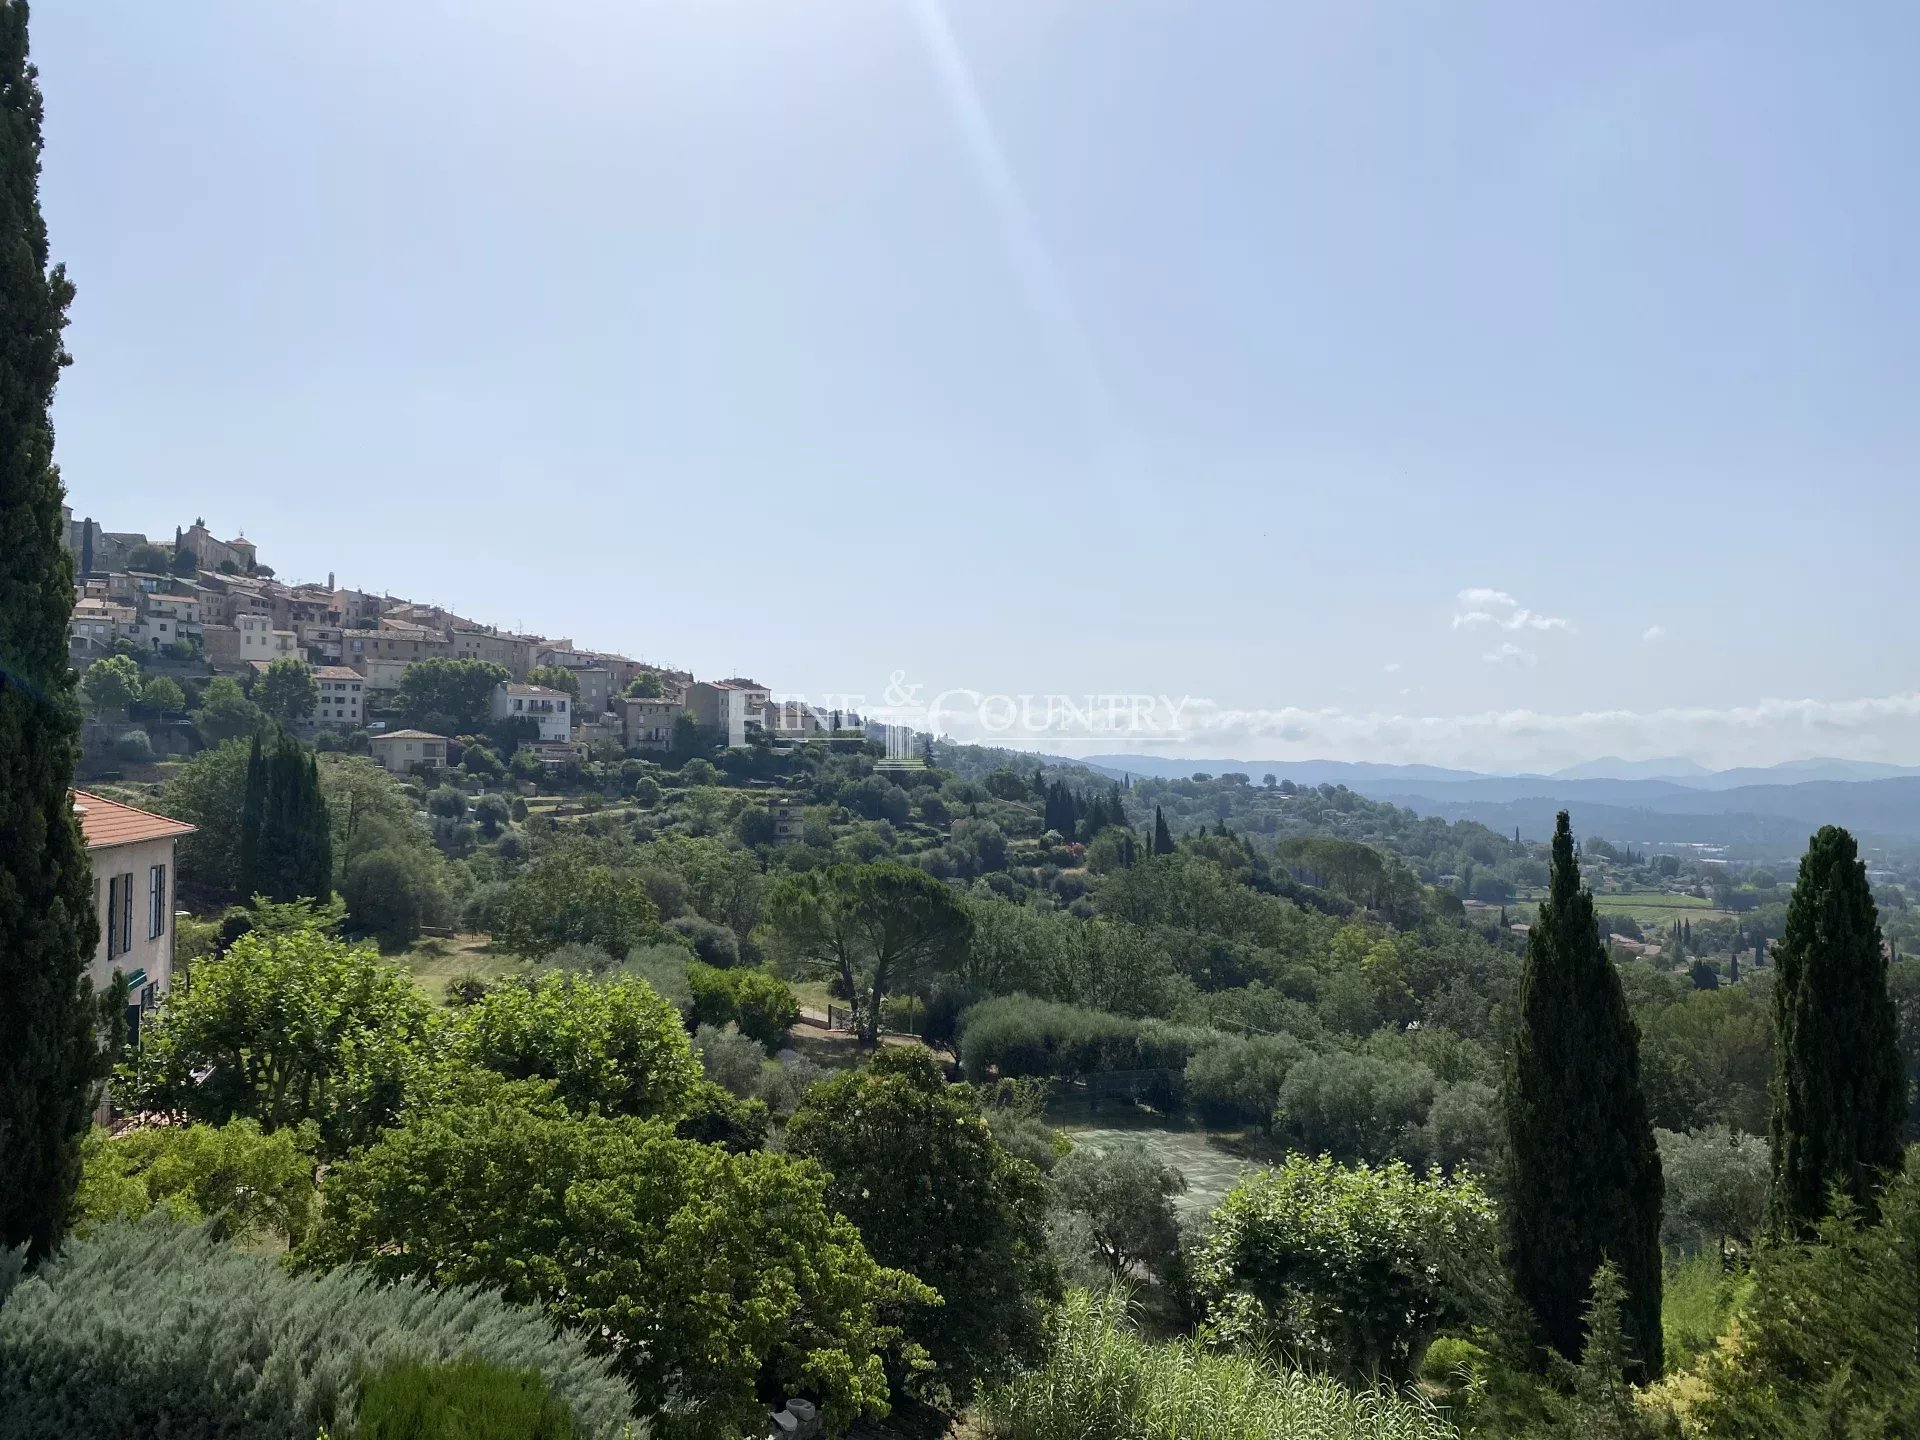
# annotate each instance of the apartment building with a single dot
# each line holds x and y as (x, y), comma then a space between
(551, 710)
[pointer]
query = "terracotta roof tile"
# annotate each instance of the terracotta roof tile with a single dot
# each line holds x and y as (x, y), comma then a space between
(106, 823)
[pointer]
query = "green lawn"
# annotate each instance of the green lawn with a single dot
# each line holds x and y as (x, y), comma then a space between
(436, 961)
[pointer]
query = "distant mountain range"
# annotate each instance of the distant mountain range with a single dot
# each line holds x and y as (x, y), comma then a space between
(1772, 807)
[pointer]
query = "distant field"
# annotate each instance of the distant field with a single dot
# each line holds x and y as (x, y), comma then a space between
(1659, 909)
(1647, 907)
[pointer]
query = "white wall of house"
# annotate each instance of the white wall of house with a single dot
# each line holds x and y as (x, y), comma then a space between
(133, 896)
(551, 710)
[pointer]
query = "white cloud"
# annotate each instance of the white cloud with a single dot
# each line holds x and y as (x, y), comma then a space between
(1478, 606)
(1654, 634)
(1872, 728)
(1508, 651)
(1392, 667)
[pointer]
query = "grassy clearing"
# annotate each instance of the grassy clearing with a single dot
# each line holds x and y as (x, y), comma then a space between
(812, 995)
(435, 961)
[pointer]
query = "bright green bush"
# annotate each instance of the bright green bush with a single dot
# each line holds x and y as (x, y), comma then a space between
(1351, 1270)
(155, 1329)
(289, 1026)
(762, 1005)
(614, 1044)
(463, 1399)
(703, 1273)
(1103, 1382)
(242, 1182)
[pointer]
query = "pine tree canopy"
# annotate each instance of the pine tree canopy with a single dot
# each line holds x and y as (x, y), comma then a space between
(1583, 1174)
(1839, 1090)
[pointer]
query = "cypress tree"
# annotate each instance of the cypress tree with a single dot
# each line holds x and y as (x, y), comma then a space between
(316, 836)
(1839, 1092)
(253, 813)
(1583, 1174)
(286, 840)
(49, 1055)
(1162, 837)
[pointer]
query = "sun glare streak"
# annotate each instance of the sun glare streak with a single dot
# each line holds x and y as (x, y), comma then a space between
(1026, 248)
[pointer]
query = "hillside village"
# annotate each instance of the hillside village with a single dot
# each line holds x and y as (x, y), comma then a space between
(200, 607)
(411, 1029)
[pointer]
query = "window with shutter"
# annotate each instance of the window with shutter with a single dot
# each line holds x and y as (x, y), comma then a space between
(156, 902)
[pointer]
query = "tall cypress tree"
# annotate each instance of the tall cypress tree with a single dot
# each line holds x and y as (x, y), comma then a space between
(316, 835)
(49, 1057)
(1839, 1092)
(286, 839)
(1162, 837)
(1583, 1174)
(253, 814)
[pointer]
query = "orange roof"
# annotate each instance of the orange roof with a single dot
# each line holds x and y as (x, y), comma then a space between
(106, 823)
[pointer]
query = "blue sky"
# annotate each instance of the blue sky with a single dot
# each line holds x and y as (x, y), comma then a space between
(1384, 375)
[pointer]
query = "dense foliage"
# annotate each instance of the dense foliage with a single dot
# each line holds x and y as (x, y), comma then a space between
(912, 1162)
(286, 834)
(761, 1005)
(566, 898)
(697, 1270)
(613, 1045)
(156, 1329)
(286, 1028)
(460, 1399)
(1347, 1269)
(48, 928)
(238, 1181)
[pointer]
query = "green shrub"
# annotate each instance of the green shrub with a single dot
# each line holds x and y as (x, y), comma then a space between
(463, 1399)
(762, 1005)
(1351, 1270)
(1354, 1107)
(715, 945)
(613, 1044)
(730, 1060)
(1017, 1035)
(240, 1181)
(715, 1116)
(155, 1329)
(1237, 1079)
(134, 747)
(1103, 1382)
(1696, 1300)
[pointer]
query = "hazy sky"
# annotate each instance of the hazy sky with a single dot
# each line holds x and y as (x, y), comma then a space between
(1487, 384)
